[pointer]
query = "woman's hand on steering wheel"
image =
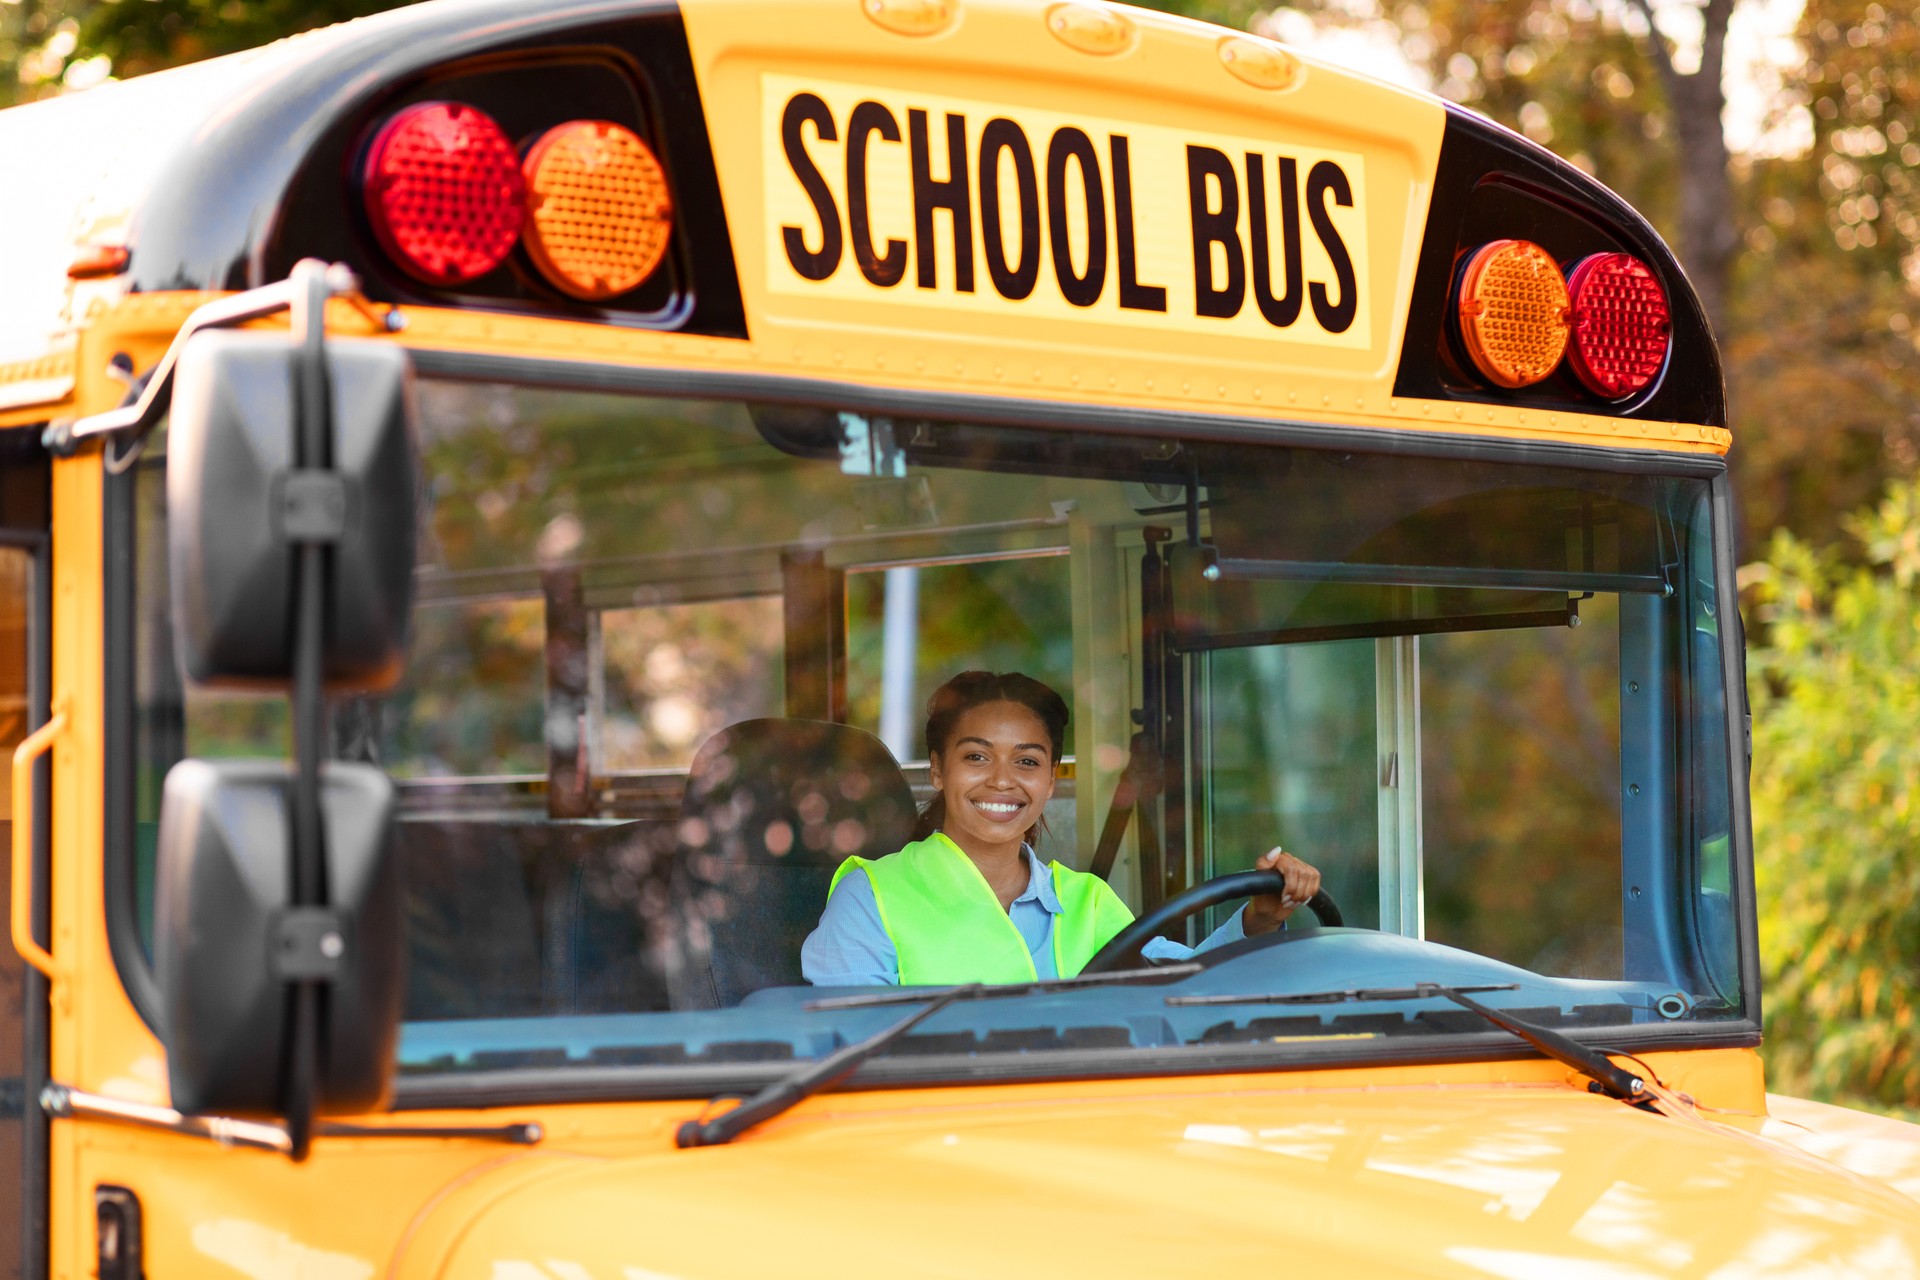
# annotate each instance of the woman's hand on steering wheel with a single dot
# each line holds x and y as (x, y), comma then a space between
(1269, 911)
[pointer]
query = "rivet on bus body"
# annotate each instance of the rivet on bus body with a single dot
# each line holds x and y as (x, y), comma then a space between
(1258, 394)
(1260, 63)
(1293, 397)
(912, 17)
(998, 372)
(1090, 28)
(1326, 400)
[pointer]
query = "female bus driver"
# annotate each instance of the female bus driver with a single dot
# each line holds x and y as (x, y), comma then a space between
(968, 900)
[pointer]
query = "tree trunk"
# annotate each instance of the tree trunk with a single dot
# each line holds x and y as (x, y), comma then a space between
(1709, 234)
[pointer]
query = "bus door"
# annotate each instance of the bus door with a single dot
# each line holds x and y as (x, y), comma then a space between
(24, 683)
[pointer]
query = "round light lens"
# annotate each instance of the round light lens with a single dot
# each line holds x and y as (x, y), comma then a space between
(1621, 324)
(444, 192)
(1513, 312)
(600, 213)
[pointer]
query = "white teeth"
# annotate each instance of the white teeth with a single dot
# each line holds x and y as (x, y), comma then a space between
(992, 807)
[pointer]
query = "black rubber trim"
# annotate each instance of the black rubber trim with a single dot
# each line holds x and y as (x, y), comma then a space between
(1491, 183)
(1734, 674)
(122, 908)
(526, 1087)
(576, 375)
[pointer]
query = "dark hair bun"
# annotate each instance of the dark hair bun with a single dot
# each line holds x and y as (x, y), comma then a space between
(972, 689)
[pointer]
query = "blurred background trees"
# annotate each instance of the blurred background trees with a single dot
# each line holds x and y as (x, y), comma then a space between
(1836, 792)
(1797, 212)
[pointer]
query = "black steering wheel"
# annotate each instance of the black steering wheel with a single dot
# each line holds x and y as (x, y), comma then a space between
(1123, 950)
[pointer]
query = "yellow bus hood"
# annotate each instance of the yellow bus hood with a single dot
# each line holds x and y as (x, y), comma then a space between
(1502, 1181)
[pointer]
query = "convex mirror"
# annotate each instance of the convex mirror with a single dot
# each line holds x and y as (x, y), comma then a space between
(237, 510)
(226, 942)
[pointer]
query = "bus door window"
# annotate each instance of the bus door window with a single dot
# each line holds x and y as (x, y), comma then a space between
(24, 684)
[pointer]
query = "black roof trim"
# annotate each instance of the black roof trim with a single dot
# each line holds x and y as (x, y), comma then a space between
(1493, 183)
(268, 182)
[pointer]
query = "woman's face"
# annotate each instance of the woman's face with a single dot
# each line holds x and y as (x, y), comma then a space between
(996, 775)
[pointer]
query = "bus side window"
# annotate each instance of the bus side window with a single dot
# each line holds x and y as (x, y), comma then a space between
(20, 1058)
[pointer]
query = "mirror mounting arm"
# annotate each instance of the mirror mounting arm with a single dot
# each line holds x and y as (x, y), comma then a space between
(150, 393)
(312, 428)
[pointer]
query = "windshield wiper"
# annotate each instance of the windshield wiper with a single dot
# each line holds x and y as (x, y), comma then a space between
(1612, 1080)
(790, 1090)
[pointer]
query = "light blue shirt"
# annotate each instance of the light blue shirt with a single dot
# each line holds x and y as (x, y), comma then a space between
(850, 948)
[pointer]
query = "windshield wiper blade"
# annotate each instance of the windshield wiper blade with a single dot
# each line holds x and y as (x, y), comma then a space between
(1612, 1080)
(989, 991)
(791, 1090)
(1420, 991)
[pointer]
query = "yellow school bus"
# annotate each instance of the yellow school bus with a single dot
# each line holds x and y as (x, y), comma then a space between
(486, 492)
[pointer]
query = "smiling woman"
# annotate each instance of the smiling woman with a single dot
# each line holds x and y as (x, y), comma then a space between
(920, 916)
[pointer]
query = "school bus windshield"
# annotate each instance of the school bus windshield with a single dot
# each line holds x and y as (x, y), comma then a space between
(1485, 700)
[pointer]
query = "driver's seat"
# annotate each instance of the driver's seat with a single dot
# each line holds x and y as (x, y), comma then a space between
(772, 808)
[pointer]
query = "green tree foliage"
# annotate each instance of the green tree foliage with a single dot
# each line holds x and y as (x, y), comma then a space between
(48, 45)
(1836, 798)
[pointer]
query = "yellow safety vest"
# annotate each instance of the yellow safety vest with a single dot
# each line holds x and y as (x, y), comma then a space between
(948, 927)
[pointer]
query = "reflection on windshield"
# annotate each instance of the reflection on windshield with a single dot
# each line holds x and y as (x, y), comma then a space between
(1482, 699)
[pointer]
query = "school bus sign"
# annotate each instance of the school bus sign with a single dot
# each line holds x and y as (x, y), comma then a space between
(878, 195)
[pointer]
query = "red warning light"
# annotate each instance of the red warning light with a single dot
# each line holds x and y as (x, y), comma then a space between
(444, 192)
(1621, 324)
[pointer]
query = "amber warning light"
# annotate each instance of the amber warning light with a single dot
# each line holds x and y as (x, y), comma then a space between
(599, 212)
(1513, 312)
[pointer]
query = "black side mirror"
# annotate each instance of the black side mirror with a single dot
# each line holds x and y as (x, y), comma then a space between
(227, 941)
(237, 508)
(292, 494)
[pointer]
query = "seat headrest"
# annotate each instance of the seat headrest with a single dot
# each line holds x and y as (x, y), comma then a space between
(794, 793)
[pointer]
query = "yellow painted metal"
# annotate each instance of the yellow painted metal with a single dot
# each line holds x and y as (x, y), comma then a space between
(412, 1208)
(1435, 1178)
(25, 819)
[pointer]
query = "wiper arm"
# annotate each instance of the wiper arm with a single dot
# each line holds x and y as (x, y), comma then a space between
(791, 1090)
(1612, 1080)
